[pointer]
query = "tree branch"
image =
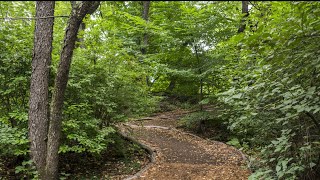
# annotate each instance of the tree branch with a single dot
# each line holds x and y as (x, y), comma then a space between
(254, 5)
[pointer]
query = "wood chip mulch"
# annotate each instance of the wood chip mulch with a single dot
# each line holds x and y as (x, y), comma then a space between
(181, 155)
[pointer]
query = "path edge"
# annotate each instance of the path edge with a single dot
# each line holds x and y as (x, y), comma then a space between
(244, 156)
(153, 154)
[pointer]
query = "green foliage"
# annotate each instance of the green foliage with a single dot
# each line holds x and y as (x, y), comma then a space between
(273, 100)
(105, 87)
(206, 123)
(82, 132)
(15, 72)
(106, 83)
(111, 85)
(15, 62)
(194, 120)
(234, 142)
(180, 58)
(266, 79)
(28, 170)
(125, 150)
(13, 141)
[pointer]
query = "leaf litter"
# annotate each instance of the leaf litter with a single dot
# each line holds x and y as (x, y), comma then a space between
(182, 155)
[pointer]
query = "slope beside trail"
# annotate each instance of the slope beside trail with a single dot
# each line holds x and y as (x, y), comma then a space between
(183, 156)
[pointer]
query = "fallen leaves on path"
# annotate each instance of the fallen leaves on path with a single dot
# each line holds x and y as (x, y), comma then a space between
(183, 155)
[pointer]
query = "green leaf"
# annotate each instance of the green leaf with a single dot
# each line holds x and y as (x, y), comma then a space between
(311, 164)
(237, 96)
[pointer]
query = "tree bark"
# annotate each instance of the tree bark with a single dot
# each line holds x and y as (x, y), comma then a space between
(245, 12)
(38, 101)
(145, 16)
(171, 85)
(314, 120)
(201, 80)
(76, 17)
(81, 28)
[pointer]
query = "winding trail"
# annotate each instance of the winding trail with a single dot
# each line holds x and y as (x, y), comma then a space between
(183, 156)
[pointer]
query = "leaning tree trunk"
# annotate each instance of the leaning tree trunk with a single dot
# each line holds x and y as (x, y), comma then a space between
(76, 17)
(38, 102)
(82, 27)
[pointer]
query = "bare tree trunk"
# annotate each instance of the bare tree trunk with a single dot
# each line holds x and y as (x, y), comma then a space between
(76, 17)
(245, 12)
(38, 102)
(145, 16)
(201, 93)
(81, 28)
(201, 80)
(171, 85)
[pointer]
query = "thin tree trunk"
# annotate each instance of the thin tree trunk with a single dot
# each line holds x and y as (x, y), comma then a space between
(242, 27)
(76, 17)
(38, 102)
(201, 93)
(171, 85)
(314, 120)
(145, 16)
(245, 12)
(201, 80)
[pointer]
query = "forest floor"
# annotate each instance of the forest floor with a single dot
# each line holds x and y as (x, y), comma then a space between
(181, 155)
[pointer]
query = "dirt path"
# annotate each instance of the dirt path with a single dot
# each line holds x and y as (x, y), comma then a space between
(183, 156)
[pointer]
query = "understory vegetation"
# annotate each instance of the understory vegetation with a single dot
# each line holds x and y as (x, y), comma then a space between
(251, 77)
